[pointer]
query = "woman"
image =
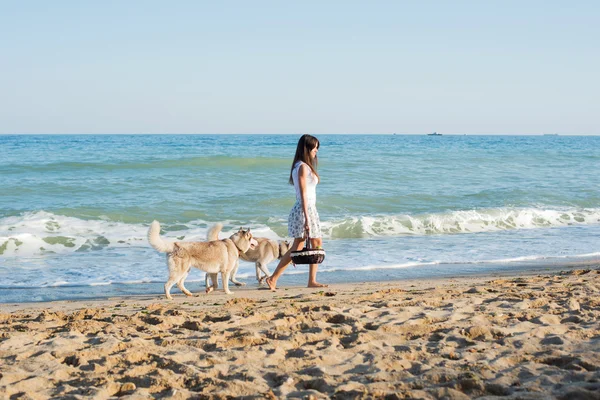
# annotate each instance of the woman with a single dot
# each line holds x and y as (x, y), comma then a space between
(304, 217)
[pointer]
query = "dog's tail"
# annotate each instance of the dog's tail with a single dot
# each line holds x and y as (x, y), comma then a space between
(157, 242)
(213, 233)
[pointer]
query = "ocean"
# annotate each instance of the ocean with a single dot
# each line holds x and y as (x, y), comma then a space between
(75, 209)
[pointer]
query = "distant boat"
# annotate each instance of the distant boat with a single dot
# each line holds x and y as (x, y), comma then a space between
(434, 134)
(550, 134)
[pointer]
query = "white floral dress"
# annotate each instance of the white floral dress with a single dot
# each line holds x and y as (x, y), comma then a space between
(296, 217)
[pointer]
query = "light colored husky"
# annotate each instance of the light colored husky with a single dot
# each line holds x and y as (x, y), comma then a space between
(266, 251)
(217, 256)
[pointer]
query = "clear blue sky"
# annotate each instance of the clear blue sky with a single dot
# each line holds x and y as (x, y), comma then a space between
(474, 67)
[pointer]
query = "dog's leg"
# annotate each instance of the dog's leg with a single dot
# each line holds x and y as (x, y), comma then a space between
(181, 286)
(234, 273)
(257, 267)
(225, 278)
(168, 287)
(263, 267)
(173, 276)
(209, 280)
(215, 282)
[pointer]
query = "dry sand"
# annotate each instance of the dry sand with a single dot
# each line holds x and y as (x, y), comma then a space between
(533, 337)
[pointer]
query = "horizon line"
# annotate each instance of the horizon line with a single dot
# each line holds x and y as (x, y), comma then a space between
(319, 133)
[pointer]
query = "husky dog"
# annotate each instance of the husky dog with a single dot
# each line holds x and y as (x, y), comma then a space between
(266, 251)
(212, 256)
(212, 235)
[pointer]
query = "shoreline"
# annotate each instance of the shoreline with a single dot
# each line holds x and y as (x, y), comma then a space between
(533, 336)
(247, 291)
(40, 295)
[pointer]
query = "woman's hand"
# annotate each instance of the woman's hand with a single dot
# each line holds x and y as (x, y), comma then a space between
(306, 226)
(306, 222)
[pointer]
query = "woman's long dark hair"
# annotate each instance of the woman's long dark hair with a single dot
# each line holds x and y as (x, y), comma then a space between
(305, 145)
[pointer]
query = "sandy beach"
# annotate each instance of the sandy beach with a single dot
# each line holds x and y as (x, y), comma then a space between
(519, 337)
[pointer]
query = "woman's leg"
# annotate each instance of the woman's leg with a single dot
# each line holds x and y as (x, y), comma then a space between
(284, 262)
(312, 269)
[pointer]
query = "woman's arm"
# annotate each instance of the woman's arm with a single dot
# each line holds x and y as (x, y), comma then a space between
(302, 176)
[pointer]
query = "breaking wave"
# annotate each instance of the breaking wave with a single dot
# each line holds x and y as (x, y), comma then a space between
(41, 232)
(455, 222)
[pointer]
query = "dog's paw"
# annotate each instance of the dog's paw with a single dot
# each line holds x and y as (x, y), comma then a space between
(229, 292)
(209, 289)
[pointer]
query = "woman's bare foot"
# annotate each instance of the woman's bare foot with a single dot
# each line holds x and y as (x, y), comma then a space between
(317, 285)
(272, 285)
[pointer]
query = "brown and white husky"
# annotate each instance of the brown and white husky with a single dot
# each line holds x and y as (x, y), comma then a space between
(215, 256)
(261, 255)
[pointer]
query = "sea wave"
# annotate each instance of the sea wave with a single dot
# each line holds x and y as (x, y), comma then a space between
(455, 222)
(44, 233)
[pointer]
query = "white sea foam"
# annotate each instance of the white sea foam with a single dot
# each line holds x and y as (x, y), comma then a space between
(383, 266)
(59, 283)
(509, 260)
(46, 233)
(536, 258)
(41, 233)
(467, 221)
